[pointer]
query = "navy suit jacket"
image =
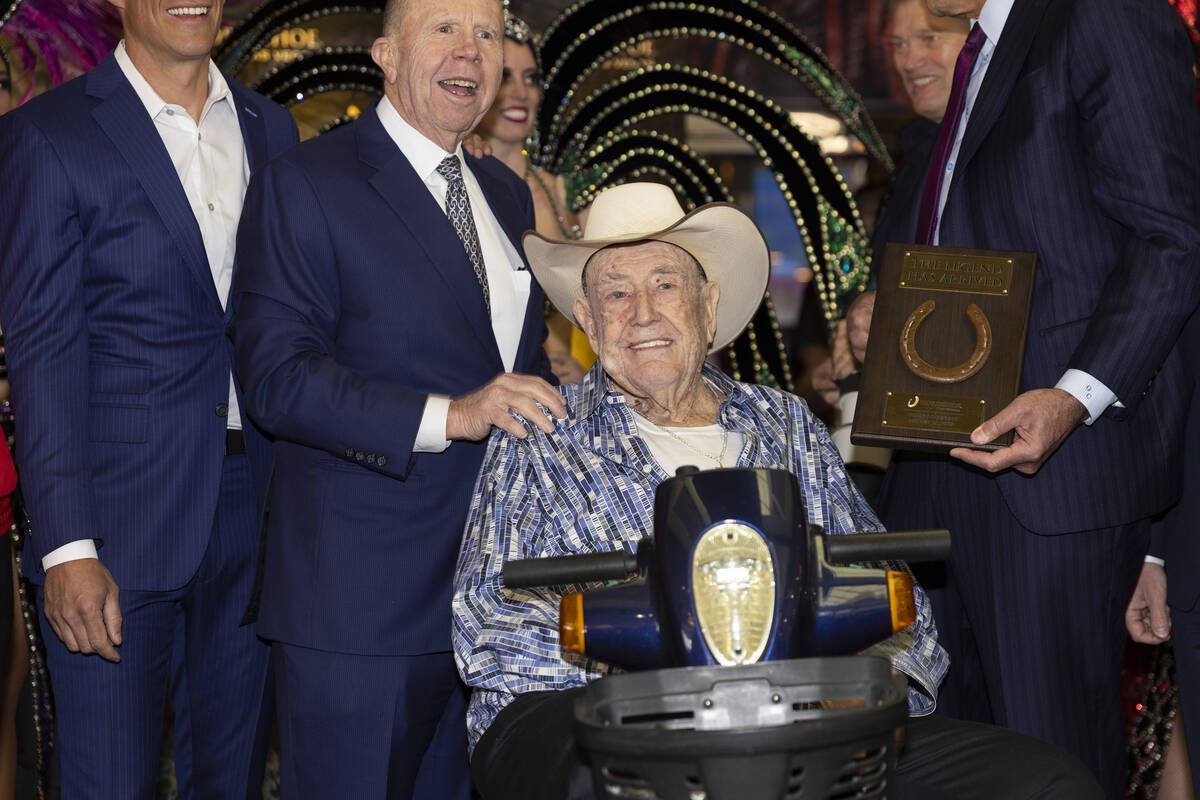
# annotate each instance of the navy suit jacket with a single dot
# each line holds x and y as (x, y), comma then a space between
(115, 335)
(1174, 538)
(1083, 147)
(355, 301)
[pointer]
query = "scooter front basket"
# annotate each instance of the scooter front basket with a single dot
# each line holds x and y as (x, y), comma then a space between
(803, 729)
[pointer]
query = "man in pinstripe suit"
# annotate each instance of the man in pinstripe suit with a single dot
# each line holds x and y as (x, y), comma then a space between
(1079, 142)
(142, 480)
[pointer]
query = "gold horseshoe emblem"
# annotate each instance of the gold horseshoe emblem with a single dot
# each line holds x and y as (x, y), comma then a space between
(959, 372)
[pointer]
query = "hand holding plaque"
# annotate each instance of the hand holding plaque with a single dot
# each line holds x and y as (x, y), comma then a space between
(946, 346)
(1039, 420)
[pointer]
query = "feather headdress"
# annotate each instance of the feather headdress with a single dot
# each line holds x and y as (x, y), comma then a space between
(68, 36)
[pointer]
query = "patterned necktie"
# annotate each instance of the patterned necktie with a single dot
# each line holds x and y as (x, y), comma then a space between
(458, 209)
(928, 219)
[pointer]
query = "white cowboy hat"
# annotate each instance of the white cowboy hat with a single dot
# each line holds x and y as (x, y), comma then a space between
(726, 242)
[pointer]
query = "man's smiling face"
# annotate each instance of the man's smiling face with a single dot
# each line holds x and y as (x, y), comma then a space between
(169, 32)
(924, 49)
(649, 315)
(442, 66)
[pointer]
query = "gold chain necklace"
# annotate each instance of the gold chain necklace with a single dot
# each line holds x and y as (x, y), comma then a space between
(719, 458)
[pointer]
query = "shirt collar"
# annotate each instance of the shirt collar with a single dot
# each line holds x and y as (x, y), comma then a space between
(595, 388)
(992, 17)
(218, 87)
(421, 152)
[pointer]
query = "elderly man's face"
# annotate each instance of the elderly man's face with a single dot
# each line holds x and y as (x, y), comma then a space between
(648, 315)
(442, 68)
(924, 49)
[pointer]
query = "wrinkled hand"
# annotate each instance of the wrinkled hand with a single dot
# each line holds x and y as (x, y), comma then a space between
(1041, 418)
(81, 605)
(1147, 618)
(472, 416)
(477, 146)
(858, 324)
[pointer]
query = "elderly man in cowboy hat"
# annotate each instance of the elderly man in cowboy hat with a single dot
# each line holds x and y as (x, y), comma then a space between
(655, 290)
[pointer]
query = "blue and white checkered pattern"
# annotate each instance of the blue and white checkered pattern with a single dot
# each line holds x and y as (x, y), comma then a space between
(458, 209)
(589, 487)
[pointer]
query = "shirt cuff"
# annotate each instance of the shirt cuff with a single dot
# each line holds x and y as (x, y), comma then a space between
(71, 551)
(1155, 560)
(1093, 394)
(431, 435)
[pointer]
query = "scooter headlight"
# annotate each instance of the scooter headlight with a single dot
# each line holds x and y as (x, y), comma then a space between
(733, 585)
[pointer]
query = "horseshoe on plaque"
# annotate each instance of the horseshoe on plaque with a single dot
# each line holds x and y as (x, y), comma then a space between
(959, 372)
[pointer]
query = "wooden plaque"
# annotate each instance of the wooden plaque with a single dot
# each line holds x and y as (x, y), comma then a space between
(946, 348)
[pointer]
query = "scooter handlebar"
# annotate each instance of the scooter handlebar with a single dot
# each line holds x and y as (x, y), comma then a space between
(531, 572)
(932, 545)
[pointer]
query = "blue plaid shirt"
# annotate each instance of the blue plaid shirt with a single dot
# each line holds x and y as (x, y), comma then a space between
(589, 487)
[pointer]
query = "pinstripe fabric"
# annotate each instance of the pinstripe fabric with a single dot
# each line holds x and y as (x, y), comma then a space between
(1082, 147)
(1059, 159)
(1174, 538)
(373, 732)
(109, 716)
(589, 487)
(354, 301)
(115, 336)
(120, 370)
(1034, 625)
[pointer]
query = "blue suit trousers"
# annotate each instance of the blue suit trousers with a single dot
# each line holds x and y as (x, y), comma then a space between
(187, 643)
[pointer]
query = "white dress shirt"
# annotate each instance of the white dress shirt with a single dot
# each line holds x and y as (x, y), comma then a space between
(508, 280)
(1093, 394)
(210, 159)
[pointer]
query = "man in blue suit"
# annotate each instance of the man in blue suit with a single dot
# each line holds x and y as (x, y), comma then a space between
(1078, 142)
(143, 481)
(383, 315)
(1166, 602)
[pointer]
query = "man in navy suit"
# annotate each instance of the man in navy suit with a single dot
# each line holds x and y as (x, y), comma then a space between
(1164, 604)
(143, 481)
(1079, 142)
(384, 315)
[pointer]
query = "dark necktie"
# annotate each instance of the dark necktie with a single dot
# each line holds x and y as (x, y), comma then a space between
(458, 210)
(928, 219)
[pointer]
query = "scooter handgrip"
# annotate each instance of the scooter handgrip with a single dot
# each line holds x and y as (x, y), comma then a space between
(533, 572)
(931, 545)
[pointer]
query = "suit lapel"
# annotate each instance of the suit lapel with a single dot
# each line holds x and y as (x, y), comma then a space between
(254, 130)
(254, 134)
(403, 190)
(513, 224)
(123, 118)
(1007, 61)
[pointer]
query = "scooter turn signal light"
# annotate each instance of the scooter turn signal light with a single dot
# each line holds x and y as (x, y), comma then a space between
(900, 597)
(570, 622)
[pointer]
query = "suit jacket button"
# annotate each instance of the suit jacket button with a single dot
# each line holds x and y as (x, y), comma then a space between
(381, 461)
(349, 452)
(370, 458)
(222, 410)
(358, 456)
